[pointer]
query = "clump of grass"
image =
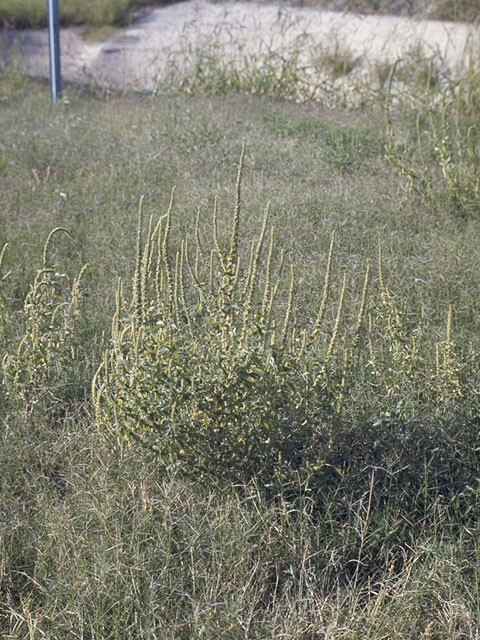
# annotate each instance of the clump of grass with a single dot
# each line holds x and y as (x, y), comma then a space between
(296, 72)
(336, 59)
(208, 68)
(291, 75)
(344, 150)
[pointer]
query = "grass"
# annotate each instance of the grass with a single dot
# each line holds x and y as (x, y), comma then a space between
(463, 10)
(381, 540)
(32, 13)
(328, 73)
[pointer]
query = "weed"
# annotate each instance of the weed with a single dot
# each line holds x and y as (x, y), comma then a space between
(204, 369)
(446, 164)
(37, 367)
(209, 368)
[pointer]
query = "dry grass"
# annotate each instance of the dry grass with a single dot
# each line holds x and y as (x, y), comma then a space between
(463, 10)
(95, 541)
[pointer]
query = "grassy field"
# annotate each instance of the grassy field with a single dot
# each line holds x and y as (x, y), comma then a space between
(32, 13)
(212, 449)
(22, 14)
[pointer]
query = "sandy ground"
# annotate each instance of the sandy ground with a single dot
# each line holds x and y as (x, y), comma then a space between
(166, 37)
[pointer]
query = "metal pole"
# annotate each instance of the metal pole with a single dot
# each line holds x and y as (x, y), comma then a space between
(54, 49)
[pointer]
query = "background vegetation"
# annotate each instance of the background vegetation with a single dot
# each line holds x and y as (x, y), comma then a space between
(32, 13)
(29, 14)
(438, 9)
(186, 455)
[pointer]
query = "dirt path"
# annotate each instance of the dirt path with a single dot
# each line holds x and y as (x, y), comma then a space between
(165, 37)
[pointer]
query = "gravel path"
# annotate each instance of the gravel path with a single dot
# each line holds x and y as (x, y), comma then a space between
(161, 38)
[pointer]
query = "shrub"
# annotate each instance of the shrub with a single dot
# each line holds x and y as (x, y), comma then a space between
(209, 369)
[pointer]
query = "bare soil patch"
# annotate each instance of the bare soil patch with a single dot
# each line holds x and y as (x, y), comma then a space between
(160, 39)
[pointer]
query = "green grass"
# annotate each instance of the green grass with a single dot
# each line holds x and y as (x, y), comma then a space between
(32, 13)
(96, 539)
